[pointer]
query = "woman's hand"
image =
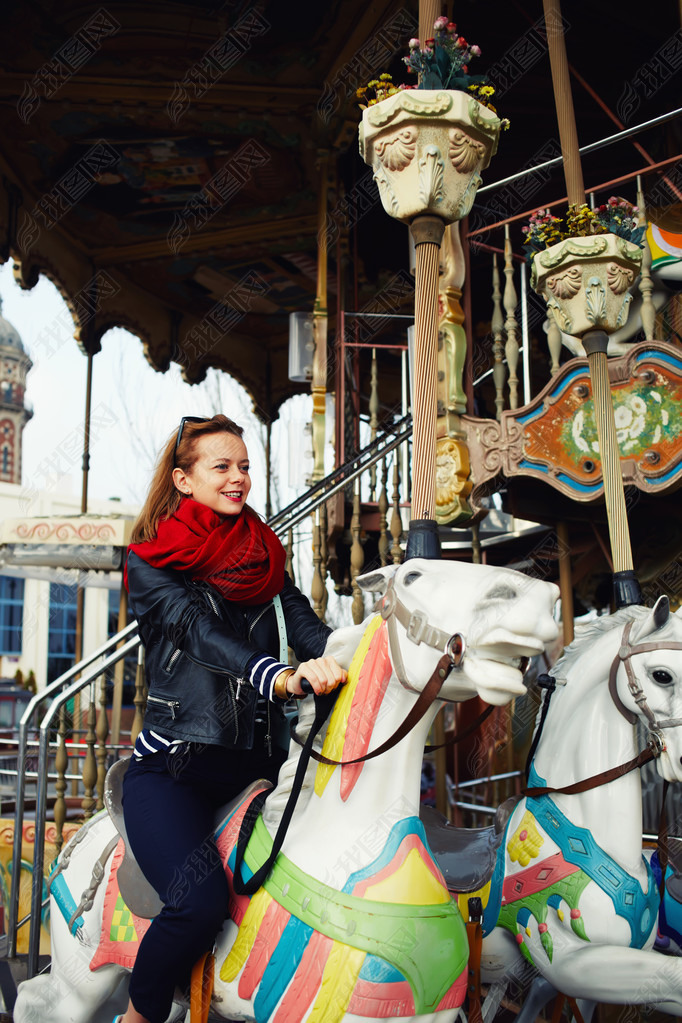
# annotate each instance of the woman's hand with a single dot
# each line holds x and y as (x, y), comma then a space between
(323, 673)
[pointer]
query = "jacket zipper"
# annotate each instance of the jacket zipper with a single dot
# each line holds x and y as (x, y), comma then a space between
(167, 703)
(172, 659)
(258, 617)
(240, 681)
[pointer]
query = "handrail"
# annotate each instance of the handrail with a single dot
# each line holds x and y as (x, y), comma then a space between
(41, 792)
(26, 717)
(341, 477)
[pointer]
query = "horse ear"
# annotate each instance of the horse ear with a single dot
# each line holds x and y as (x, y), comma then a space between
(656, 619)
(377, 582)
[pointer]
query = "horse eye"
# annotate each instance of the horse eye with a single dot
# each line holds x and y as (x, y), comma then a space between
(663, 677)
(411, 577)
(501, 593)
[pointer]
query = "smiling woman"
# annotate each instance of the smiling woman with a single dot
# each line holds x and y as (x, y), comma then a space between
(216, 612)
(219, 478)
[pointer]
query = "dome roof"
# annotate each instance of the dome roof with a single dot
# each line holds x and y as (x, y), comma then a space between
(9, 335)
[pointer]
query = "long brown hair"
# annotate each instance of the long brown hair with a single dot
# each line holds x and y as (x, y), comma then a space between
(164, 498)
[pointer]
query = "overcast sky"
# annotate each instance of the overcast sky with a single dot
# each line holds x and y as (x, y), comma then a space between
(134, 408)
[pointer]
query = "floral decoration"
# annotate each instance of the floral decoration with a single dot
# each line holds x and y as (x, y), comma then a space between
(376, 90)
(643, 418)
(617, 216)
(441, 63)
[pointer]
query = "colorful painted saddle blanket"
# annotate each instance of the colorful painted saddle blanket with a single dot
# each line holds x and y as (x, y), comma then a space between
(302, 943)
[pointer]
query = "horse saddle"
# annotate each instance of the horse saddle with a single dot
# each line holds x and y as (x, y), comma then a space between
(466, 856)
(673, 883)
(138, 894)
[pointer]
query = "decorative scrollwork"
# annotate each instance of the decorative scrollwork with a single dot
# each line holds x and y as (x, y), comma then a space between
(431, 169)
(629, 250)
(467, 201)
(572, 247)
(397, 152)
(561, 317)
(619, 278)
(487, 122)
(623, 311)
(465, 153)
(385, 188)
(566, 284)
(595, 301)
(382, 113)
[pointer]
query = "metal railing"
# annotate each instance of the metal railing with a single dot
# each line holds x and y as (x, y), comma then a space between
(396, 434)
(53, 690)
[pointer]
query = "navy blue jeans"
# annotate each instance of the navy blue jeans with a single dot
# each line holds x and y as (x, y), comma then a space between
(169, 803)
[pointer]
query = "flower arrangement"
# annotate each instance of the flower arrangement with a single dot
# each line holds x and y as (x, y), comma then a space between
(617, 216)
(376, 90)
(442, 63)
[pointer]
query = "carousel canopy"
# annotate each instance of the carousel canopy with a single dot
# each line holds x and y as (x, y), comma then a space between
(162, 162)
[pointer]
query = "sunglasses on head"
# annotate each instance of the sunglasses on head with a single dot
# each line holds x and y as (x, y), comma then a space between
(186, 419)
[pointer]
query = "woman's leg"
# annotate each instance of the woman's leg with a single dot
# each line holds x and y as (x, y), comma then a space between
(169, 820)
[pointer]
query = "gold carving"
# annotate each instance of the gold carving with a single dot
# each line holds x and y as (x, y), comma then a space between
(453, 485)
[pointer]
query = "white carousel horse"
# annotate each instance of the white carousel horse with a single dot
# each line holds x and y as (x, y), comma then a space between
(571, 891)
(355, 920)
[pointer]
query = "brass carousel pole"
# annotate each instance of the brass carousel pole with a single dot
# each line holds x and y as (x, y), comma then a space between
(422, 539)
(595, 342)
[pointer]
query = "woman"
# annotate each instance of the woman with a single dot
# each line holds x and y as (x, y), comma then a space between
(208, 588)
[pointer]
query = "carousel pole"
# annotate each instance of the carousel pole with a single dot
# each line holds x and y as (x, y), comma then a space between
(422, 538)
(625, 585)
(427, 234)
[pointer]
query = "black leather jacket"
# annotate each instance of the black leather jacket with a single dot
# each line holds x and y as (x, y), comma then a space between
(197, 647)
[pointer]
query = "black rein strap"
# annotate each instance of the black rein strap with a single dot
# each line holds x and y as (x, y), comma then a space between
(419, 709)
(323, 706)
(597, 779)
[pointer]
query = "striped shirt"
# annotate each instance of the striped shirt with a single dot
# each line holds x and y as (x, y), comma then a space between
(262, 672)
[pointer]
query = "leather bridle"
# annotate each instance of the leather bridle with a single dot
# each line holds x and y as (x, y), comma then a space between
(655, 741)
(418, 630)
(625, 653)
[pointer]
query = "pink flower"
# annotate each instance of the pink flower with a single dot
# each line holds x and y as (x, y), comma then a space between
(414, 44)
(440, 23)
(476, 50)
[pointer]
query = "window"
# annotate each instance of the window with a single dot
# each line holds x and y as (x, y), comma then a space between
(11, 614)
(61, 643)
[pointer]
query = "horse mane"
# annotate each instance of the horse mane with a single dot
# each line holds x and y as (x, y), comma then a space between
(341, 645)
(592, 630)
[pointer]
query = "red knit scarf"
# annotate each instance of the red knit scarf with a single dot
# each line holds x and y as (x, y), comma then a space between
(239, 556)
